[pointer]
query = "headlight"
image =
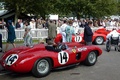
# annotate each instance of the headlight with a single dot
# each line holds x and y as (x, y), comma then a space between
(11, 59)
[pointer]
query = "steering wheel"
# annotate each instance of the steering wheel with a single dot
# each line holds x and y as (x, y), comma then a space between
(62, 46)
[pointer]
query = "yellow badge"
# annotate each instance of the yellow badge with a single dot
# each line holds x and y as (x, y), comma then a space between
(73, 50)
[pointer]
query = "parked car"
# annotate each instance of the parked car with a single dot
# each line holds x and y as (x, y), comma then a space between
(98, 38)
(102, 31)
(40, 61)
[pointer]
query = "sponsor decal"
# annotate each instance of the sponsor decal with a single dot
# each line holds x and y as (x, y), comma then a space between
(63, 57)
(82, 49)
(74, 50)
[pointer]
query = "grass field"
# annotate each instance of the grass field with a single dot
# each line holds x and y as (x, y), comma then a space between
(21, 41)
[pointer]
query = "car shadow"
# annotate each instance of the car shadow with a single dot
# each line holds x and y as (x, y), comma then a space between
(68, 67)
(14, 75)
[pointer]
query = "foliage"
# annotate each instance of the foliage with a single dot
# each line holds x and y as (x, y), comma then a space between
(79, 8)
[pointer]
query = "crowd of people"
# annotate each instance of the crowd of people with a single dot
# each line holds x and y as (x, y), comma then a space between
(68, 27)
(38, 23)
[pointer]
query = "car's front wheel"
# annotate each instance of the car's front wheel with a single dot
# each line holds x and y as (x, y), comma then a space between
(99, 40)
(91, 58)
(42, 67)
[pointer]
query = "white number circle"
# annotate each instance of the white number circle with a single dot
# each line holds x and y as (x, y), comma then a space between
(78, 38)
(63, 57)
(11, 59)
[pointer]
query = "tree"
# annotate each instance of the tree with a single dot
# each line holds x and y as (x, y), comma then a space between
(105, 8)
(88, 8)
(80, 8)
(35, 7)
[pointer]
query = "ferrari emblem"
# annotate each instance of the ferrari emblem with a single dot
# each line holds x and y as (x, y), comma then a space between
(73, 50)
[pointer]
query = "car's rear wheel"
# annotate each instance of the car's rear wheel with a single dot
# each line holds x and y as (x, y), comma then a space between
(42, 67)
(99, 40)
(91, 58)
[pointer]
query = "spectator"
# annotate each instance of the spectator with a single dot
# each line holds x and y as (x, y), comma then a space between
(0, 41)
(112, 23)
(11, 35)
(88, 34)
(18, 26)
(69, 30)
(76, 25)
(21, 24)
(27, 36)
(95, 24)
(46, 24)
(52, 30)
(62, 31)
(25, 25)
(32, 24)
(39, 24)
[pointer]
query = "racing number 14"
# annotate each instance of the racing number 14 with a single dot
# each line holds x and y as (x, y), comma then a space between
(63, 57)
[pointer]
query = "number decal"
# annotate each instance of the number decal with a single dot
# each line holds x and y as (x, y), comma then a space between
(11, 59)
(78, 38)
(63, 57)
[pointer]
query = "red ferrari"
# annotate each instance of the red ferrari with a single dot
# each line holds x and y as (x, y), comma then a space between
(99, 37)
(40, 61)
(102, 31)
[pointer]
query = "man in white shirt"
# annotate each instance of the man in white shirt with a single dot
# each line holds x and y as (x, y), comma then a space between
(33, 24)
(62, 31)
(76, 26)
(112, 23)
(114, 34)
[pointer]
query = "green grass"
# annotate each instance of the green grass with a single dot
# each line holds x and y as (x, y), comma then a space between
(21, 41)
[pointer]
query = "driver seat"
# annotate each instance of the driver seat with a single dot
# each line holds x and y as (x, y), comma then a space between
(52, 48)
(62, 46)
(56, 48)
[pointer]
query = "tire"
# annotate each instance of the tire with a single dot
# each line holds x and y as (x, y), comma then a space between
(99, 40)
(108, 48)
(42, 67)
(91, 59)
(118, 47)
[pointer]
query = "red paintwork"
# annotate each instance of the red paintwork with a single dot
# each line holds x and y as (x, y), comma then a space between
(118, 30)
(103, 31)
(100, 32)
(28, 56)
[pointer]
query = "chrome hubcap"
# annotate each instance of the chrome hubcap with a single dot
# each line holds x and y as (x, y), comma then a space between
(92, 57)
(99, 40)
(43, 66)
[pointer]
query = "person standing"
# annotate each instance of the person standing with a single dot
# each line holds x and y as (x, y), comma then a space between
(11, 35)
(28, 37)
(88, 34)
(0, 41)
(33, 24)
(52, 30)
(39, 24)
(69, 30)
(62, 31)
(18, 26)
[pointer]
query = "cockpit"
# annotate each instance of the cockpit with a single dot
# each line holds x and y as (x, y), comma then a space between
(57, 48)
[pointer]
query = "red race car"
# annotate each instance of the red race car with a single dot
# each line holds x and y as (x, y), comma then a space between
(102, 31)
(40, 61)
(98, 38)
